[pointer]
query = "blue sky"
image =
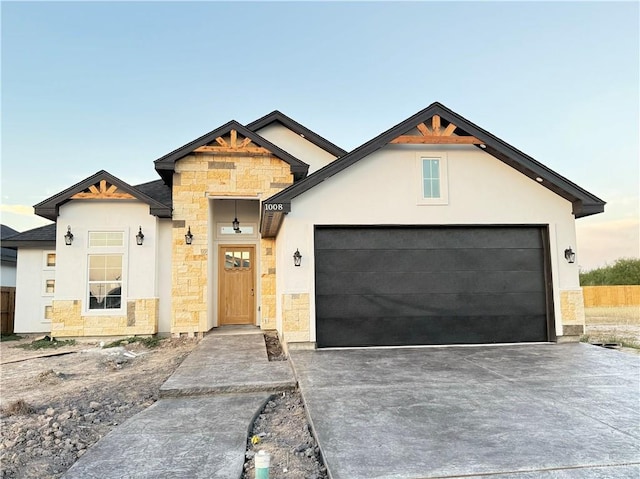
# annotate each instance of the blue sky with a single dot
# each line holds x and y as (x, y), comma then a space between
(115, 85)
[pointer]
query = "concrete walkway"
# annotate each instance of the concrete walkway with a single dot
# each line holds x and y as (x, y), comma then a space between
(565, 411)
(199, 427)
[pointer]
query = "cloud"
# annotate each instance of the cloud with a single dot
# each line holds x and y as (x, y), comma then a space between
(17, 209)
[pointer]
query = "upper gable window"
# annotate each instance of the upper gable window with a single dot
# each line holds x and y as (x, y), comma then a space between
(432, 172)
(105, 238)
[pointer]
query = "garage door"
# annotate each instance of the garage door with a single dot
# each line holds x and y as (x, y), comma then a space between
(390, 286)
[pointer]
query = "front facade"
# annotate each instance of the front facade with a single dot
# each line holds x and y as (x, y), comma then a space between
(434, 232)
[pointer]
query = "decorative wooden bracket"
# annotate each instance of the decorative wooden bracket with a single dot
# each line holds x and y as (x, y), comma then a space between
(436, 135)
(102, 191)
(231, 144)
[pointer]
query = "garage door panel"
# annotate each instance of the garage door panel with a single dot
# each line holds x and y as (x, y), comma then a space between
(442, 282)
(462, 259)
(406, 331)
(414, 238)
(430, 285)
(418, 305)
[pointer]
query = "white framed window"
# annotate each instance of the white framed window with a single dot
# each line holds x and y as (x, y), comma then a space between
(432, 173)
(224, 231)
(105, 281)
(105, 271)
(244, 230)
(98, 239)
(49, 260)
(49, 286)
(48, 313)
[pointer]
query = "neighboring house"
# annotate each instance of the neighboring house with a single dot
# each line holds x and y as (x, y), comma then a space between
(8, 258)
(433, 232)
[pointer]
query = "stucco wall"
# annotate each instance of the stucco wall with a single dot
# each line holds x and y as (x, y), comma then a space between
(31, 299)
(383, 189)
(140, 284)
(297, 146)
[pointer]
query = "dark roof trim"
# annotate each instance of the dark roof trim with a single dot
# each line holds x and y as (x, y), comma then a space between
(49, 207)
(279, 117)
(584, 203)
(43, 237)
(165, 166)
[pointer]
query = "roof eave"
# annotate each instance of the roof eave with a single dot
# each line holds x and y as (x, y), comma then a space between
(493, 146)
(309, 135)
(13, 244)
(165, 166)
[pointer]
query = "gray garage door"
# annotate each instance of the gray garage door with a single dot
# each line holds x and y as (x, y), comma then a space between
(390, 286)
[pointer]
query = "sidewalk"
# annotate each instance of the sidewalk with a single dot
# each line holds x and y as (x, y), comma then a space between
(199, 427)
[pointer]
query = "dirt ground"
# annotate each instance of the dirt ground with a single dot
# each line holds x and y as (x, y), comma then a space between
(614, 325)
(56, 403)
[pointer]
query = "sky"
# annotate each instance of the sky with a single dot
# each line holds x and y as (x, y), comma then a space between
(115, 85)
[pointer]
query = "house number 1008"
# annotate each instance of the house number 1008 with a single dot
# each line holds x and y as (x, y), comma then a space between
(274, 207)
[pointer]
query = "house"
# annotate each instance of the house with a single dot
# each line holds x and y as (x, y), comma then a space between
(8, 259)
(433, 232)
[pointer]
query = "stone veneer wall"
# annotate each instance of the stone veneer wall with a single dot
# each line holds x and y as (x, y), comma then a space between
(572, 312)
(68, 321)
(196, 178)
(295, 317)
(268, 283)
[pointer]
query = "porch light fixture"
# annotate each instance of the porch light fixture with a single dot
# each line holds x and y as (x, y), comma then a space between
(297, 258)
(188, 238)
(236, 223)
(570, 255)
(68, 238)
(139, 237)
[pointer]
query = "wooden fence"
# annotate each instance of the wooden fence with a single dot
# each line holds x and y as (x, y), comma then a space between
(7, 309)
(611, 296)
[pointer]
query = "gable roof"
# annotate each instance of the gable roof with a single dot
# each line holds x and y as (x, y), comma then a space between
(42, 237)
(7, 255)
(279, 117)
(584, 203)
(49, 207)
(165, 166)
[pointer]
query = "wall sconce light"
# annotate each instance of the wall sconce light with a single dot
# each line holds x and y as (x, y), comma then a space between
(188, 238)
(297, 258)
(570, 255)
(68, 238)
(139, 237)
(236, 223)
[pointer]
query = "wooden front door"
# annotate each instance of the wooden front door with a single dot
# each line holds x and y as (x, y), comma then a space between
(236, 295)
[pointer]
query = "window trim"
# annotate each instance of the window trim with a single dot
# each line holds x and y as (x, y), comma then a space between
(44, 287)
(444, 178)
(45, 256)
(105, 251)
(44, 313)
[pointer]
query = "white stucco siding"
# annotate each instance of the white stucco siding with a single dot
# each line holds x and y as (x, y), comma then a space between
(31, 298)
(297, 146)
(8, 275)
(140, 274)
(384, 189)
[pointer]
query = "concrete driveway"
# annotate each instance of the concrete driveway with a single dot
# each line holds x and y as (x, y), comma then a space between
(495, 412)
